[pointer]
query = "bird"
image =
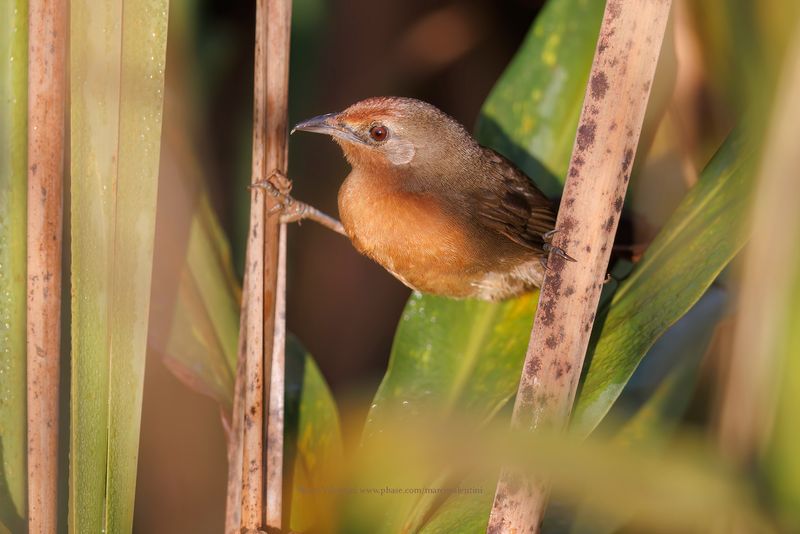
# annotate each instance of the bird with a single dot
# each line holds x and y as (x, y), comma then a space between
(442, 213)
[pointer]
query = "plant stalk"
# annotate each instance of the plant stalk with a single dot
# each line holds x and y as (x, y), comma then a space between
(278, 32)
(47, 26)
(264, 305)
(600, 167)
(253, 298)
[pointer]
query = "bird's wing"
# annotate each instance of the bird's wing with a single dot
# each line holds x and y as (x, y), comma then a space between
(508, 203)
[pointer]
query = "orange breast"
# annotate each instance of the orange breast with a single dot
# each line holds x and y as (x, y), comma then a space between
(409, 235)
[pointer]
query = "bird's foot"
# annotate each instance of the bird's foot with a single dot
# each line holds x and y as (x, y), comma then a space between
(291, 210)
(279, 186)
(548, 247)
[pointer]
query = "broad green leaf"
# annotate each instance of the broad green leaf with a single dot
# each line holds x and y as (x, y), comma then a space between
(698, 241)
(13, 222)
(117, 52)
(450, 369)
(465, 514)
(683, 261)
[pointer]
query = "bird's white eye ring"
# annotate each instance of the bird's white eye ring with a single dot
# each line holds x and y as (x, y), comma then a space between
(379, 132)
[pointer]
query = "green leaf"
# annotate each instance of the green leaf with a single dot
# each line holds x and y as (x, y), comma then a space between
(314, 442)
(117, 52)
(682, 350)
(13, 222)
(687, 255)
(438, 358)
(194, 322)
(532, 113)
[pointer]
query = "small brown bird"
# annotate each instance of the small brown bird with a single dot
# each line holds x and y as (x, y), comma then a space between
(440, 212)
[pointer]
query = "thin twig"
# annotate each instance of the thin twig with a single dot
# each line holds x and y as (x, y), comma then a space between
(274, 504)
(265, 303)
(277, 151)
(253, 306)
(47, 26)
(602, 157)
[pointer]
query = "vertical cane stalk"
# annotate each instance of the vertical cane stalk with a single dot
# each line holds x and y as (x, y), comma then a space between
(279, 31)
(253, 298)
(265, 283)
(46, 100)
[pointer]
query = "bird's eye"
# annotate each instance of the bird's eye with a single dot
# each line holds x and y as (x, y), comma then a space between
(378, 132)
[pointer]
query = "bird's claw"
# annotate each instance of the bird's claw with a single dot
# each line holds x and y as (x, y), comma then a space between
(548, 246)
(548, 236)
(279, 186)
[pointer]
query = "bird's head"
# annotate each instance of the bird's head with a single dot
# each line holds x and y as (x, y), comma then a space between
(397, 132)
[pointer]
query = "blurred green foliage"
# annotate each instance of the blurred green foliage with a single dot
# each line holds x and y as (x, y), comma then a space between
(13, 221)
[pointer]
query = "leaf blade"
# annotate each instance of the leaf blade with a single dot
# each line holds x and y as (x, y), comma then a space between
(116, 130)
(13, 223)
(695, 245)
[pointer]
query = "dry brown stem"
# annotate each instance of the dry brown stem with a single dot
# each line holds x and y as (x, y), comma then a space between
(263, 308)
(277, 93)
(47, 28)
(253, 302)
(602, 157)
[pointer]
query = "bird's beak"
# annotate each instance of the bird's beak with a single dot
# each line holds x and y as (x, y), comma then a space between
(327, 124)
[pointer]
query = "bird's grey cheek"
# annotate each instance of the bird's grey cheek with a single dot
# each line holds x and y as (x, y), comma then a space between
(400, 151)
